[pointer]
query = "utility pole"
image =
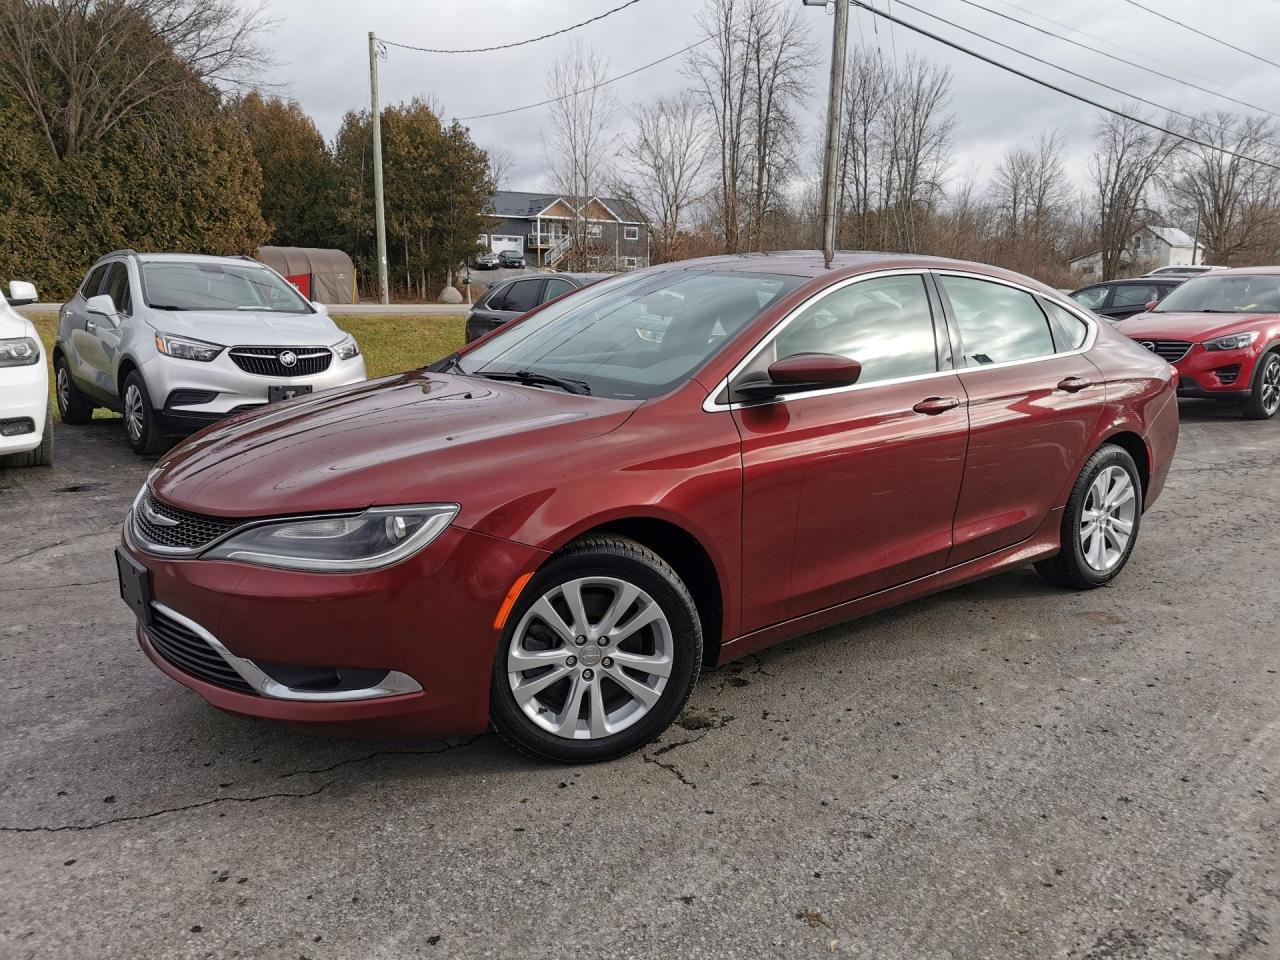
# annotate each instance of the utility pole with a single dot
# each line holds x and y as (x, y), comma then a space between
(380, 213)
(835, 94)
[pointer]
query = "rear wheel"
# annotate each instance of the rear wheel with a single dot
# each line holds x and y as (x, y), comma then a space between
(73, 406)
(1100, 523)
(1264, 398)
(599, 654)
(141, 426)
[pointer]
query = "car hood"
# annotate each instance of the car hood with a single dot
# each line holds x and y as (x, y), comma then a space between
(12, 323)
(1194, 327)
(248, 328)
(414, 438)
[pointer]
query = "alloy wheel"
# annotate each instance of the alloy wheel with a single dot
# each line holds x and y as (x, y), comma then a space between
(590, 658)
(64, 387)
(1271, 385)
(134, 412)
(1106, 522)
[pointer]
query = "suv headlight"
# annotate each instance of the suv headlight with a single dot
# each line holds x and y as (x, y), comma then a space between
(348, 543)
(1232, 341)
(347, 348)
(19, 352)
(184, 348)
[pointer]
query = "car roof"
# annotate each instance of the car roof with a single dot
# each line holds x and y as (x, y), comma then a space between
(183, 258)
(1246, 272)
(1123, 281)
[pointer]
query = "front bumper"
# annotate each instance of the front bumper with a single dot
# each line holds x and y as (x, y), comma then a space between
(24, 395)
(428, 619)
(1216, 373)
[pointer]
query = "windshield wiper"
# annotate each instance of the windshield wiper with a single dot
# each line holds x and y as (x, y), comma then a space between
(449, 364)
(164, 306)
(532, 379)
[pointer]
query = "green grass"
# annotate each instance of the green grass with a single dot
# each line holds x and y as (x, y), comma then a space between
(391, 343)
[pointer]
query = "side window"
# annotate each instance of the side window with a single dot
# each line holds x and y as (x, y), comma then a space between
(1134, 294)
(997, 323)
(885, 324)
(556, 288)
(1069, 331)
(522, 296)
(1091, 298)
(494, 299)
(93, 282)
(117, 288)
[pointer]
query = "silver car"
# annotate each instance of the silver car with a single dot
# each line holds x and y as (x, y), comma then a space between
(177, 341)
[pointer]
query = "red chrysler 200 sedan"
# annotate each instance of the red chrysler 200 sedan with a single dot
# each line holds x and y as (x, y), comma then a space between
(556, 528)
(1221, 332)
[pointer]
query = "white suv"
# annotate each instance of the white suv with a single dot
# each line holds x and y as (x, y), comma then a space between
(26, 423)
(176, 341)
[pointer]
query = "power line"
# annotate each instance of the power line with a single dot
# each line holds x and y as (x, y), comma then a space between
(1057, 89)
(1207, 36)
(518, 43)
(594, 86)
(1080, 76)
(1112, 56)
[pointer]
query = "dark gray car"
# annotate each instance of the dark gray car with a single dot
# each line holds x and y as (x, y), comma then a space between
(1118, 299)
(508, 299)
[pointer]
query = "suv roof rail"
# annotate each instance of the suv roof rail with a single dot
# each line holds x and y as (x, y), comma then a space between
(126, 252)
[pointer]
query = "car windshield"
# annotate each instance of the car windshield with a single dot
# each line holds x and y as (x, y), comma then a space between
(1247, 293)
(175, 285)
(629, 337)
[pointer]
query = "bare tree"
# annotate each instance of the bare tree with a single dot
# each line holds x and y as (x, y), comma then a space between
(664, 176)
(1030, 187)
(866, 93)
(501, 163)
(85, 66)
(1235, 202)
(1127, 158)
(578, 148)
(919, 140)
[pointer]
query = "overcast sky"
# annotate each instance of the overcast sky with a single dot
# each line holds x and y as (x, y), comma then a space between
(320, 48)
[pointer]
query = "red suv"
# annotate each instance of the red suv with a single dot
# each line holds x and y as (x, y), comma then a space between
(1222, 333)
(555, 529)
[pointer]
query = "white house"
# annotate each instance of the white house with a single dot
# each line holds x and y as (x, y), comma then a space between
(1157, 246)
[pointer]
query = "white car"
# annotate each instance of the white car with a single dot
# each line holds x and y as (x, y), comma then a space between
(26, 422)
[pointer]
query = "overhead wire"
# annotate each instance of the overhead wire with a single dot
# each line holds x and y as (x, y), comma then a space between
(518, 43)
(1196, 30)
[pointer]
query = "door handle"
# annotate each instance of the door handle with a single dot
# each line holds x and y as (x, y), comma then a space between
(90, 326)
(935, 405)
(1074, 384)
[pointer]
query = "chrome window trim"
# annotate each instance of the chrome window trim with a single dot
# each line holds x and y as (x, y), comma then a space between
(393, 684)
(710, 406)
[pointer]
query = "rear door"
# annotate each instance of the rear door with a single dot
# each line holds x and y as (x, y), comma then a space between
(79, 329)
(555, 287)
(1130, 298)
(1034, 399)
(104, 360)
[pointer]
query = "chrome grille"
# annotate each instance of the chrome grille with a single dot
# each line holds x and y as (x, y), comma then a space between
(187, 650)
(1170, 351)
(190, 531)
(274, 361)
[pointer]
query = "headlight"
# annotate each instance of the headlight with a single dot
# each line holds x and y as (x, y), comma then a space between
(347, 348)
(1232, 341)
(339, 544)
(184, 348)
(19, 352)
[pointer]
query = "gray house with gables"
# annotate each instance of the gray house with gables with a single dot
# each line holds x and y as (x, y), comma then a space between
(539, 226)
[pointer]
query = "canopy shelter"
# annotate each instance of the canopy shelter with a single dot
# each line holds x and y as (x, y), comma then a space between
(325, 276)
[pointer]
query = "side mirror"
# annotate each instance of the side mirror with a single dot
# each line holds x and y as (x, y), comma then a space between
(799, 373)
(102, 306)
(319, 307)
(1151, 305)
(21, 292)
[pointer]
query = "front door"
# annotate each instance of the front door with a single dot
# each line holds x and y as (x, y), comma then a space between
(851, 490)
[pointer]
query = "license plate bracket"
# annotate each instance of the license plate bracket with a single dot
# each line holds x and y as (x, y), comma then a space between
(135, 585)
(277, 393)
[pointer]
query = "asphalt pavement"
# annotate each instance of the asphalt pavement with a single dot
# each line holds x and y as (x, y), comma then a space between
(1004, 770)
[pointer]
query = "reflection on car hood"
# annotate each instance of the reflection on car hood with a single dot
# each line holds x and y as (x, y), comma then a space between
(414, 438)
(248, 327)
(1194, 327)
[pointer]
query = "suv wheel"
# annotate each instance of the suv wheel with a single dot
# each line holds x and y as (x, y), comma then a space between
(1264, 398)
(141, 426)
(73, 406)
(1100, 523)
(598, 656)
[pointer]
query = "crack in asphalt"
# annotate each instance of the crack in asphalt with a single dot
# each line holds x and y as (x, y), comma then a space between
(60, 543)
(443, 748)
(59, 586)
(158, 813)
(670, 768)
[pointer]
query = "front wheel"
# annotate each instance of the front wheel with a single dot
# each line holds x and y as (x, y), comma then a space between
(1264, 398)
(599, 654)
(1100, 523)
(41, 456)
(141, 425)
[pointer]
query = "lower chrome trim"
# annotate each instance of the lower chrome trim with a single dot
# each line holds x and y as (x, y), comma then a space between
(393, 684)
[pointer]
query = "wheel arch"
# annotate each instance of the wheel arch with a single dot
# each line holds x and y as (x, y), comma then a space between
(127, 365)
(1133, 444)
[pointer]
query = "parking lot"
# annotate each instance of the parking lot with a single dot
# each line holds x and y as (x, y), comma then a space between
(1002, 770)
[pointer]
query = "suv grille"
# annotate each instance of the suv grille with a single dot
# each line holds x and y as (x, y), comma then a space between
(187, 650)
(282, 361)
(192, 530)
(1170, 351)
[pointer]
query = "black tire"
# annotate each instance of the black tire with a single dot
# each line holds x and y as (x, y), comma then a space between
(1263, 402)
(144, 435)
(1069, 568)
(626, 560)
(73, 406)
(41, 456)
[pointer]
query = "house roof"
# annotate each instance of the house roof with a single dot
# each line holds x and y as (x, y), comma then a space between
(520, 204)
(1173, 236)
